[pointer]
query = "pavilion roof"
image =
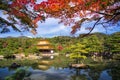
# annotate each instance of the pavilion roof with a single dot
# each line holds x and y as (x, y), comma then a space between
(44, 44)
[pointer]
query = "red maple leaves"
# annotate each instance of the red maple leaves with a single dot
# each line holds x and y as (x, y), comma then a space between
(66, 10)
(60, 47)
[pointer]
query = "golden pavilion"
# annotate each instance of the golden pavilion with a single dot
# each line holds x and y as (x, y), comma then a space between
(45, 46)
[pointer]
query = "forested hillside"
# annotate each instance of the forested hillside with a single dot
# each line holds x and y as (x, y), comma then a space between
(96, 42)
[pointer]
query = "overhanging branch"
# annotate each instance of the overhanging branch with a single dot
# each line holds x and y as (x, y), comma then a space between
(102, 13)
(92, 27)
(9, 24)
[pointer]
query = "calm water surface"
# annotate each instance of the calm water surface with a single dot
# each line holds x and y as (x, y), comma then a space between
(58, 74)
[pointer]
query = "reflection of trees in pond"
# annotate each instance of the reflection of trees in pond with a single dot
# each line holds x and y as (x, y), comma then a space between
(96, 71)
(80, 77)
(20, 74)
(91, 74)
(115, 71)
(94, 74)
(81, 74)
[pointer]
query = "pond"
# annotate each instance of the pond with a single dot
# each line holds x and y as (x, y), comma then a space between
(59, 73)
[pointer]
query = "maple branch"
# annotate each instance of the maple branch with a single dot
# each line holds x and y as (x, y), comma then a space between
(9, 24)
(102, 13)
(117, 13)
(107, 14)
(92, 27)
(108, 20)
(28, 12)
(104, 27)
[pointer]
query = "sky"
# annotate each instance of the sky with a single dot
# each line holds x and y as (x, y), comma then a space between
(51, 28)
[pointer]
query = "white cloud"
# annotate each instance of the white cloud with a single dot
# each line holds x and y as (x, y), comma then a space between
(51, 26)
(44, 30)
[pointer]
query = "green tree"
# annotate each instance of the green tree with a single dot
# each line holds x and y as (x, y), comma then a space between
(94, 43)
(78, 52)
(113, 43)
